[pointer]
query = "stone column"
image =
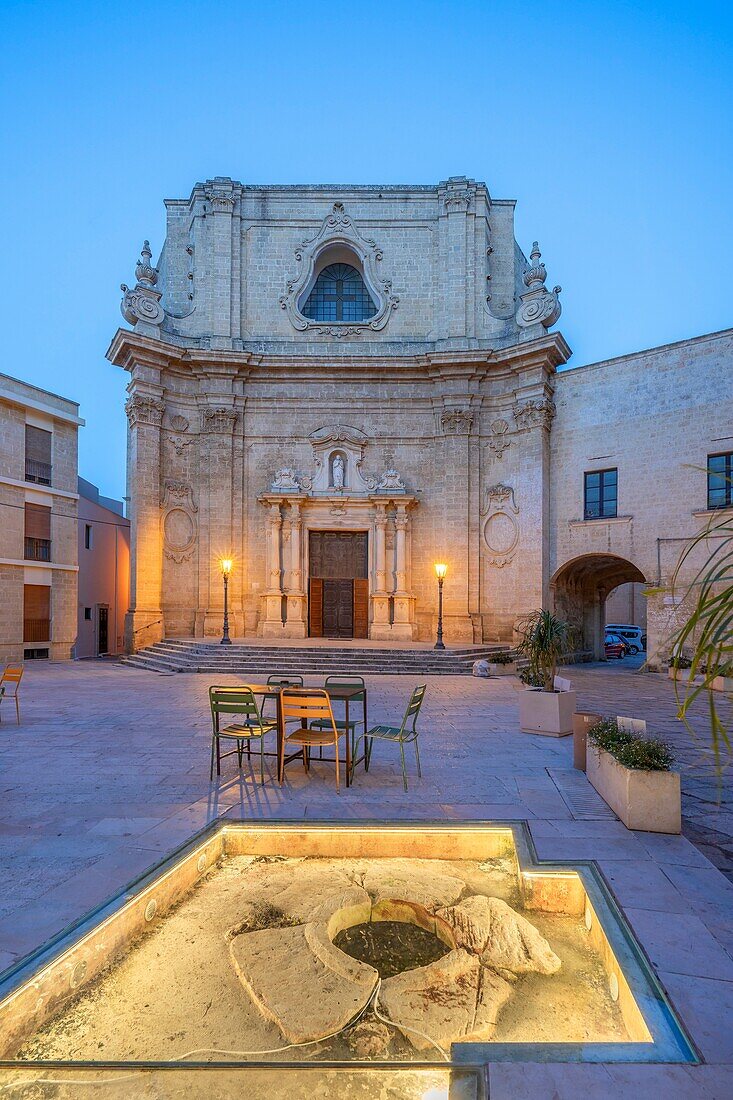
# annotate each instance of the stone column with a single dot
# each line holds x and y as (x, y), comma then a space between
(144, 619)
(272, 624)
(380, 625)
(217, 428)
(296, 626)
(401, 624)
(452, 536)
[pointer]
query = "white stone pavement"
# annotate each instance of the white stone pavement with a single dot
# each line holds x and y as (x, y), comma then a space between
(109, 771)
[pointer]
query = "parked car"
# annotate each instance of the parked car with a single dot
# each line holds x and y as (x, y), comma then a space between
(614, 647)
(634, 635)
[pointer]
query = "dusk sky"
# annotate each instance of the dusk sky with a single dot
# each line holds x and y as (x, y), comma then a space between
(610, 123)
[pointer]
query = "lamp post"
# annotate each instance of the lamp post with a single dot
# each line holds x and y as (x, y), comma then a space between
(226, 568)
(440, 572)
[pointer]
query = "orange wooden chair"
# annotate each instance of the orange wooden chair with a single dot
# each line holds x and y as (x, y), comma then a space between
(310, 705)
(9, 685)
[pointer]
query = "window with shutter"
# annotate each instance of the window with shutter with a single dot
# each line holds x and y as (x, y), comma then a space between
(37, 532)
(36, 613)
(38, 455)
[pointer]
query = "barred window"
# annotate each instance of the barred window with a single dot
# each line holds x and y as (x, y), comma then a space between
(339, 294)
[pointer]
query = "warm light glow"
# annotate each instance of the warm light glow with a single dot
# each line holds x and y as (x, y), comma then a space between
(440, 570)
(226, 566)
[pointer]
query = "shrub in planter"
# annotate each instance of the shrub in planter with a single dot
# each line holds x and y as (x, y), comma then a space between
(632, 774)
(543, 709)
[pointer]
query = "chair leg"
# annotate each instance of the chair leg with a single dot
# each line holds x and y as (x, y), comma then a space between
(404, 767)
(417, 757)
(17, 709)
(305, 758)
(262, 761)
(240, 753)
(211, 768)
(368, 746)
(336, 754)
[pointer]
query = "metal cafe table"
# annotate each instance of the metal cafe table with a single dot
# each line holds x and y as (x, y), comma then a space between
(343, 694)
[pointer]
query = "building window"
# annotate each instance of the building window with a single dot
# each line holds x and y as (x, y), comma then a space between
(88, 614)
(36, 613)
(37, 455)
(87, 536)
(601, 494)
(720, 480)
(339, 294)
(37, 533)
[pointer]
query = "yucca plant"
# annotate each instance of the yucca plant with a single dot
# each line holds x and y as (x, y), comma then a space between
(543, 641)
(707, 635)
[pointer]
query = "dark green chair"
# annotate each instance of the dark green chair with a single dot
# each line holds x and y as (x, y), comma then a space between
(343, 681)
(279, 679)
(241, 702)
(402, 735)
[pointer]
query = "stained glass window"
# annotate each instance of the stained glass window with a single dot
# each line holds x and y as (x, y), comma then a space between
(339, 294)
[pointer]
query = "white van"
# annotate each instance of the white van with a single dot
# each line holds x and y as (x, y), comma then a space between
(634, 635)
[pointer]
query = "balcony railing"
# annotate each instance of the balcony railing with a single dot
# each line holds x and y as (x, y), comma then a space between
(37, 549)
(39, 472)
(36, 630)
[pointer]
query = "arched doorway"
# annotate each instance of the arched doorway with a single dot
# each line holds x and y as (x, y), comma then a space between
(579, 590)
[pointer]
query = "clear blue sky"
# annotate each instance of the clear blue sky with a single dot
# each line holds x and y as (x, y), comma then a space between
(610, 123)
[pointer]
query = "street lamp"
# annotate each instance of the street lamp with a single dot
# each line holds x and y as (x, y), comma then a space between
(226, 568)
(440, 572)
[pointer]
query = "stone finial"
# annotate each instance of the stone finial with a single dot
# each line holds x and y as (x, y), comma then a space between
(141, 304)
(145, 273)
(540, 306)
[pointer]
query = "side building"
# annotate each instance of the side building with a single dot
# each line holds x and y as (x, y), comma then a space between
(38, 522)
(104, 573)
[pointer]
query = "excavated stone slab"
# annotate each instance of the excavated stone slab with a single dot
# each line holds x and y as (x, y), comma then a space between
(418, 880)
(451, 1000)
(503, 938)
(313, 891)
(298, 979)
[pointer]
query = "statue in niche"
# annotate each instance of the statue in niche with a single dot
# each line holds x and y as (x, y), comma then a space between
(338, 472)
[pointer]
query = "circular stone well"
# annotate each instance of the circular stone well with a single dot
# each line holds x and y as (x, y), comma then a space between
(391, 946)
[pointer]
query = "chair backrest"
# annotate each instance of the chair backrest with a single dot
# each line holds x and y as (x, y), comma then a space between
(340, 681)
(232, 700)
(307, 703)
(285, 681)
(413, 707)
(12, 674)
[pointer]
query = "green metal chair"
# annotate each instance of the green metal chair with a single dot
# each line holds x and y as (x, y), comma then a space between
(341, 681)
(281, 680)
(237, 701)
(402, 735)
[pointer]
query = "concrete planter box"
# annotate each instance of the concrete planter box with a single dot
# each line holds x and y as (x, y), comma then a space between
(723, 683)
(682, 674)
(503, 670)
(546, 712)
(645, 800)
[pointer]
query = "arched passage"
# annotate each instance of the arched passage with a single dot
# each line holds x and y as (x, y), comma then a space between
(580, 588)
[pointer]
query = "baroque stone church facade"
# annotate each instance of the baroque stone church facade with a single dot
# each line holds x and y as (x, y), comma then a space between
(338, 386)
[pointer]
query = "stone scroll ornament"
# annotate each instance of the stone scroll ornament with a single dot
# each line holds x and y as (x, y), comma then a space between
(338, 228)
(141, 304)
(178, 522)
(500, 528)
(540, 306)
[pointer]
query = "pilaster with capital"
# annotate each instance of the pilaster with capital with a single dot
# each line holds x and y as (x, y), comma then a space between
(144, 620)
(380, 597)
(272, 620)
(216, 444)
(296, 624)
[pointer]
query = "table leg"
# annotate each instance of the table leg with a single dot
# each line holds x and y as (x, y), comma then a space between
(366, 739)
(347, 739)
(280, 738)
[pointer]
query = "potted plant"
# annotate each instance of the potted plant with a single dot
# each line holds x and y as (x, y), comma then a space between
(503, 664)
(632, 774)
(679, 667)
(542, 707)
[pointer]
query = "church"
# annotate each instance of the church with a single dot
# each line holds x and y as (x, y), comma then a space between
(337, 387)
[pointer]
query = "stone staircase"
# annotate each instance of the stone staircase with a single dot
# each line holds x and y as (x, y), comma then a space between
(178, 655)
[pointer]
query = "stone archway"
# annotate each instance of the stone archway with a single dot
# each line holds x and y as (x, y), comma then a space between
(579, 590)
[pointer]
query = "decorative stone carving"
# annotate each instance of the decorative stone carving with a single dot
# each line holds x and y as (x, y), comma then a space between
(539, 305)
(338, 228)
(537, 412)
(457, 194)
(498, 442)
(456, 421)
(338, 452)
(179, 424)
(142, 303)
(286, 481)
(220, 420)
(391, 482)
(221, 199)
(178, 521)
(142, 408)
(500, 529)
